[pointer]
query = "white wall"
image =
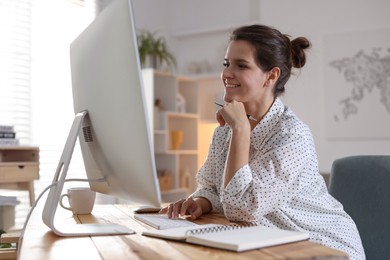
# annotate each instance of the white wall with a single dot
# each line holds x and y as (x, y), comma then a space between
(153, 15)
(197, 31)
(315, 19)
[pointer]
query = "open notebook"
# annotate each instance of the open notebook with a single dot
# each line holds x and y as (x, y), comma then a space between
(233, 238)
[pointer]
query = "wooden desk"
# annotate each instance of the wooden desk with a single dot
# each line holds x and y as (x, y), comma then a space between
(40, 243)
(19, 167)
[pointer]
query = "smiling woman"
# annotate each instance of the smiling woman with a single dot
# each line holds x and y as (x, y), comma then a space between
(265, 172)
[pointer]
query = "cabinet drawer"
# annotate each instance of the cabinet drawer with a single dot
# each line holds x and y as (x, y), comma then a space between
(19, 172)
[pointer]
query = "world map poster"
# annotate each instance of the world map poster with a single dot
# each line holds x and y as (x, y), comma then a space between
(357, 84)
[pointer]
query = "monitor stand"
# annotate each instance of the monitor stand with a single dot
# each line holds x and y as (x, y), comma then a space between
(53, 198)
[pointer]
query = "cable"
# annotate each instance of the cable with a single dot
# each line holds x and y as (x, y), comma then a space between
(36, 203)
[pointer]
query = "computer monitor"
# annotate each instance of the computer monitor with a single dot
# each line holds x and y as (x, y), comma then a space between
(111, 120)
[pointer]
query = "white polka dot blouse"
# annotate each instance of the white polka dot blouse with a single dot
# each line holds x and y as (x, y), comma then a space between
(280, 186)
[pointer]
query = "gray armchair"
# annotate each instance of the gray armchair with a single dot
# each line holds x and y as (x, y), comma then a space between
(362, 185)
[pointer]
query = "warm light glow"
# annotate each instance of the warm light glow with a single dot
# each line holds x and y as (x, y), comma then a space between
(206, 130)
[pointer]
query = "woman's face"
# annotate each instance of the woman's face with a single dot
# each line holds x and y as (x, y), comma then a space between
(242, 77)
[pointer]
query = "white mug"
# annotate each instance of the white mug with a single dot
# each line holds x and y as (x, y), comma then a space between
(81, 200)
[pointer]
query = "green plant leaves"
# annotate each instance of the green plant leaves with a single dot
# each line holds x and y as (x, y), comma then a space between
(155, 47)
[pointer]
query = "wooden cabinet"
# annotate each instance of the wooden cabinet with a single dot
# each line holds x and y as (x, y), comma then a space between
(19, 167)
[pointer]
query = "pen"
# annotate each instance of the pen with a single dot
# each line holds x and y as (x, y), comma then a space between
(249, 116)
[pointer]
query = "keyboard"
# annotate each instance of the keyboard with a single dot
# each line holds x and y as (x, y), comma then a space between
(161, 221)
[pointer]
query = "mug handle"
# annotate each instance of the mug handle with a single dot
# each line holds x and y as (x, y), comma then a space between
(62, 205)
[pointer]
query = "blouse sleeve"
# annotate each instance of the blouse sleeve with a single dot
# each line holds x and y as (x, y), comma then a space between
(270, 179)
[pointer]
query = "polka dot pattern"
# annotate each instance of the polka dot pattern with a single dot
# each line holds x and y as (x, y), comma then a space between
(280, 186)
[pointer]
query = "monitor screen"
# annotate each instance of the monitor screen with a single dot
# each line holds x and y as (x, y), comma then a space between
(115, 137)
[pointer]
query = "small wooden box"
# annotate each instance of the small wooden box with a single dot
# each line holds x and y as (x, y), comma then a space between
(165, 182)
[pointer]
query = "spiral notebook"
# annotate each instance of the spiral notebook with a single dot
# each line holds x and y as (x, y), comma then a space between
(233, 238)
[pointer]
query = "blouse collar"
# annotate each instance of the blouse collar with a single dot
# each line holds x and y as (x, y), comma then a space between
(266, 125)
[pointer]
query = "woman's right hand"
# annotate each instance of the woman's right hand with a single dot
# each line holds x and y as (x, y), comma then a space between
(232, 113)
(183, 207)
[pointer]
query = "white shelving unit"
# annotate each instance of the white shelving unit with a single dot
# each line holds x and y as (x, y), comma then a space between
(176, 167)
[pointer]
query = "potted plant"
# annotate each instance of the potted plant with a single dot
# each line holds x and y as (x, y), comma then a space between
(153, 51)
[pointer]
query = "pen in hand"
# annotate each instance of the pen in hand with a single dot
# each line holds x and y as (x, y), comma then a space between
(249, 116)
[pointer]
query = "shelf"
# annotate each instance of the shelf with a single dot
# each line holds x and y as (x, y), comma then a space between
(18, 147)
(178, 152)
(160, 132)
(17, 163)
(180, 115)
(16, 154)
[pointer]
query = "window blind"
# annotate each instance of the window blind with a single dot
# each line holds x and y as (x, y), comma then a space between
(15, 66)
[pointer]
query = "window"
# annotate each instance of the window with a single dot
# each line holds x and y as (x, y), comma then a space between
(35, 83)
(15, 66)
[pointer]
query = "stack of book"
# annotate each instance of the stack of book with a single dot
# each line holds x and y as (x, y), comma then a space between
(8, 135)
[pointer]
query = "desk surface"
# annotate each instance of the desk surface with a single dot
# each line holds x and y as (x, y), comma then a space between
(40, 243)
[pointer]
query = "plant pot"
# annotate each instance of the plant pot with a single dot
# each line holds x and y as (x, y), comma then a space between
(151, 62)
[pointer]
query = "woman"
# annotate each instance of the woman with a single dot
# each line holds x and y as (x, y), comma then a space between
(262, 165)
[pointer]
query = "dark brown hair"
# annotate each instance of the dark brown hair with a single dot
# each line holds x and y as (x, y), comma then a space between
(274, 49)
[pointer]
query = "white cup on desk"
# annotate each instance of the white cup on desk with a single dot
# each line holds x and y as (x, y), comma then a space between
(81, 200)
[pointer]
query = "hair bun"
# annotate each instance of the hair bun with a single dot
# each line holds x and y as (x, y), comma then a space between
(298, 47)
